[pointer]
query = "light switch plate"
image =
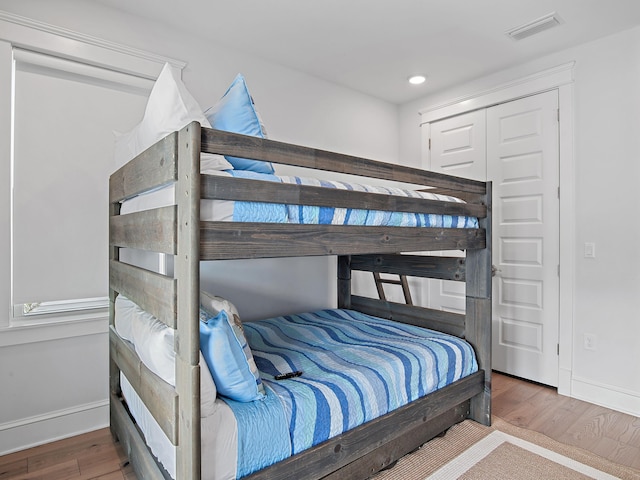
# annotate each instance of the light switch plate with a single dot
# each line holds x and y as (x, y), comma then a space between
(589, 250)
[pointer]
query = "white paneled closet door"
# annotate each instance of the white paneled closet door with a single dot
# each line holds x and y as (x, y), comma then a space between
(515, 145)
(458, 147)
(523, 162)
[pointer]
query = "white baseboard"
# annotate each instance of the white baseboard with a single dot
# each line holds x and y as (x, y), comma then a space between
(40, 429)
(609, 396)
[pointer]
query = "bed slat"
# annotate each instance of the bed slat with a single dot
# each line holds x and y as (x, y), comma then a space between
(151, 291)
(385, 455)
(217, 141)
(154, 167)
(447, 322)
(222, 240)
(442, 268)
(226, 188)
(159, 397)
(132, 442)
(151, 230)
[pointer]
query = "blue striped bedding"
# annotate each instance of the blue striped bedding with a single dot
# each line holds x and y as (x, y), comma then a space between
(306, 214)
(355, 368)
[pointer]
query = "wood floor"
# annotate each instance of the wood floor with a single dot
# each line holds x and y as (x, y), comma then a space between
(610, 434)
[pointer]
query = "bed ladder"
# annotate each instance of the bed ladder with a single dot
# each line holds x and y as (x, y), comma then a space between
(402, 281)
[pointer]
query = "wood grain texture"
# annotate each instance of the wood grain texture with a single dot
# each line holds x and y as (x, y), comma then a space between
(154, 167)
(187, 272)
(442, 268)
(612, 435)
(225, 240)
(216, 141)
(446, 322)
(151, 291)
(150, 230)
(225, 188)
(159, 397)
(388, 430)
(133, 443)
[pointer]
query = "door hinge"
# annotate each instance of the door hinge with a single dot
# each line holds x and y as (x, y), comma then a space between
(558, 348)
(558, 269)
(429, 144)
(558, 115)
(558, 193)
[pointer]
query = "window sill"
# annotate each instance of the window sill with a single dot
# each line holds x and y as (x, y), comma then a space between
(54, 328)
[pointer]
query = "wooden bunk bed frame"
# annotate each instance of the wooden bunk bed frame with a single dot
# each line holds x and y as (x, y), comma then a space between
(178, 231)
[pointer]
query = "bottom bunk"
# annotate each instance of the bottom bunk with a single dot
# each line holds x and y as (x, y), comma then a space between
(358, 392)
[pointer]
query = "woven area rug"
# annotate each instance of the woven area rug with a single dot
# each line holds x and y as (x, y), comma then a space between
(472, 451)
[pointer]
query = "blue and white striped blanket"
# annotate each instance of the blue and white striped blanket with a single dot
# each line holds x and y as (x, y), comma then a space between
(354, 216)
(306, 214)
(355, 368)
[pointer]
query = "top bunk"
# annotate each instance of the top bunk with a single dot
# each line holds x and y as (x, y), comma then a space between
(174, 162)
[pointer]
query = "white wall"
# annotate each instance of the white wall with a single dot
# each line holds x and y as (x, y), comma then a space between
(607, 172)
(56, 385)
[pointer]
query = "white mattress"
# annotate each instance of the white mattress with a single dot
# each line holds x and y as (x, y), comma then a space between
(153, 342)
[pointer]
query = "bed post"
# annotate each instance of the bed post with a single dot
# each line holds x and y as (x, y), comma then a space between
(187, 274)
(114, 371)
(478, 314)
(344, 281)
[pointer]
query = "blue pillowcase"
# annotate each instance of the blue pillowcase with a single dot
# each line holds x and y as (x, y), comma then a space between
(236, 112)
(229, 358)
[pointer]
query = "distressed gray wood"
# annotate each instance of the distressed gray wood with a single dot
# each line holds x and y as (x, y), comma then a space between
(159, 397)
(335, 453)
(217, 141)
(153, 292)
(114, 371)
(225, 188)
(152, 168)
(443, 268)
(187, 271)
(133, 443)
(225, 240)
(478, 334)
(178, 231)
(478, 314)
(344, 282)
(447, 322)
(151, 230)
(392, 451)
(401, 281)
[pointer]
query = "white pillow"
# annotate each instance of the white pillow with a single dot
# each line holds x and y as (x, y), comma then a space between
(154, 342)
(170, 107)
(214, 304)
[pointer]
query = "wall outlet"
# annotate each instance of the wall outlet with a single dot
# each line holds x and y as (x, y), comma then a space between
(590, 341)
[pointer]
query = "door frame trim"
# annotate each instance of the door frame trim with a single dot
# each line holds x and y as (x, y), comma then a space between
(560, 78)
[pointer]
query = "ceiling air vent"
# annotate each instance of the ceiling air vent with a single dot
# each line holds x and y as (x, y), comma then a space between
(536, 26)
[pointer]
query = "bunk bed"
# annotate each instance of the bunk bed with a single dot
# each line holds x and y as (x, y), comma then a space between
(174, 299)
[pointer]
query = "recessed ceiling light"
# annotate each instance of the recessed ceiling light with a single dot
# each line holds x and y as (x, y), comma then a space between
(417, 79)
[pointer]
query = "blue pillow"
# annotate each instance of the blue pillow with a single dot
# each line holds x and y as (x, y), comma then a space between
(229, 357)
(236, 112)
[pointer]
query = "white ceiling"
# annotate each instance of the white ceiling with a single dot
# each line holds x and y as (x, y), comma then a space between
(374, 45)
